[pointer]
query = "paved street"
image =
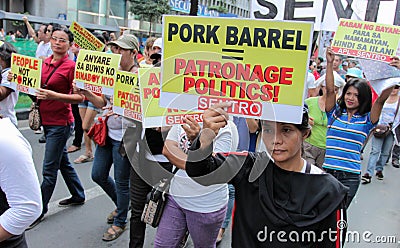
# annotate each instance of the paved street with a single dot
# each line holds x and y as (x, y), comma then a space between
(376, 210)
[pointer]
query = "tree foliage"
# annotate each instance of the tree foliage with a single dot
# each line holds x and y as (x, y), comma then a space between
(150, 10)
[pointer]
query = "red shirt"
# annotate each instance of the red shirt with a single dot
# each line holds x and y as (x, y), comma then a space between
(53, 112)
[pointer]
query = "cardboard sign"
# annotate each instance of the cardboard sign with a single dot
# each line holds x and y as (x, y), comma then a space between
(85, 39)
(259, 66)
(27, 73)
(96, 71)
(126, 100)
(325, 14)
(367, 40)
(153, 114)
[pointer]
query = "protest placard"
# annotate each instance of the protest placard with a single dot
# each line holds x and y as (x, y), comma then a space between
(85, 39)
(366, 40)
(27, 73)
(126, 100)
(96, 71)
(153, 114)
(259, 66)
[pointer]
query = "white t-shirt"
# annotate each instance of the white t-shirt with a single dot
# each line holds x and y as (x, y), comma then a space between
(314, 169)
(191, 195)
(7, 105)
(18, 180)
(43, 49)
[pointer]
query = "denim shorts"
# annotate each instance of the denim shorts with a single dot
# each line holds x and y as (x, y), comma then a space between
(87, 104)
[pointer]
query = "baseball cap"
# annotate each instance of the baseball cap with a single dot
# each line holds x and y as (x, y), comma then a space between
(126, 41)
(158, 43)
(345, 63)
(354, 72)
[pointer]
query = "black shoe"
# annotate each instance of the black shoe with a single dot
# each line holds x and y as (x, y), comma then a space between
(366, 178)
(70, 202)
(396, 165)
(36, 222)
(379, 175)
(42, 139)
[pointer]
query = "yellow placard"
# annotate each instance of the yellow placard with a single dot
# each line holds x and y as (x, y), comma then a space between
(153, 114)
(258, 65)
(368, 40)
(85, 39)
(96, 71)
(126, 100)
(27, 73)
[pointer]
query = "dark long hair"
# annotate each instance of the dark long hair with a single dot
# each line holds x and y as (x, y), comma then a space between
(364, 96)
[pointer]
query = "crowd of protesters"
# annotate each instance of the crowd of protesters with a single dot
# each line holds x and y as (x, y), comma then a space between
(277, 172)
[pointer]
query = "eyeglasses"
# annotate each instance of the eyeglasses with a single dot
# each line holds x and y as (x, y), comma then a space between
(61, 40)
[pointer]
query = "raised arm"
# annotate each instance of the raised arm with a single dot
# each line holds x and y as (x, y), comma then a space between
(330, 81)
(31, 31)
(378, 105)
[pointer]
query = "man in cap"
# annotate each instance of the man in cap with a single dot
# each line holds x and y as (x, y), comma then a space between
(157, 51)
(127, 45)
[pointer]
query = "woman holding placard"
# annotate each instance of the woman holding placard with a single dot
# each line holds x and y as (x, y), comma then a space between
(350, 119)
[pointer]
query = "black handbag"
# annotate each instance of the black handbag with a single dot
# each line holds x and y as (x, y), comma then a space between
(382, 130)
(156, 201)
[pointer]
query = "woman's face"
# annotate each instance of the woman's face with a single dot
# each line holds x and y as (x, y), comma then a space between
(282, 140)
(59, 42)
(351, 98)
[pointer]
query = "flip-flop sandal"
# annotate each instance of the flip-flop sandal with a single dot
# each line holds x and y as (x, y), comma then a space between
(73, 149)
(83, 159)
(107, 236)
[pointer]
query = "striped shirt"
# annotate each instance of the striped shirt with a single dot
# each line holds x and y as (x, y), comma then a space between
(345, 139)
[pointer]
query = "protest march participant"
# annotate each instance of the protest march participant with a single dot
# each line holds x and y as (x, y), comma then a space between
(106, 156)
(192, 207)
(20, 200)
(396, 148)
(284, 191)
(336, 67)
(350, 120)
(148, 51)
(8, 96)
(44, 49)
(381, 147)
(55, 97)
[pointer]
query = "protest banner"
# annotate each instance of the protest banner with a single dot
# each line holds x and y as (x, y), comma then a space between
(27, 73)
(126, 100)
(366, 40)
(153, 114)
(96, 71)
(326, 13)
(85, 39)
(259, 66)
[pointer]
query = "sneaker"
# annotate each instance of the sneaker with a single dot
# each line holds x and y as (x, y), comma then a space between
(42, 139)
(70, 202)
(396, 164)
(379, 175)
(36, 222)
(366, 178)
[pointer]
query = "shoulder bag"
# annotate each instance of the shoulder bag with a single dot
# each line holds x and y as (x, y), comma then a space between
(382, 130)
(156, 201)
(34, 118)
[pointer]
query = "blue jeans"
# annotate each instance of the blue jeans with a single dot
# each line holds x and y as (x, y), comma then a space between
(56, 158)
(348, 179)
(231, 203)
(380, 151)
(118, 188)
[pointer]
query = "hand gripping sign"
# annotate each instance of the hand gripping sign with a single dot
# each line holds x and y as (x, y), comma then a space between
(27, 73)
(96, 71)
(259, 66)
(153, 114)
